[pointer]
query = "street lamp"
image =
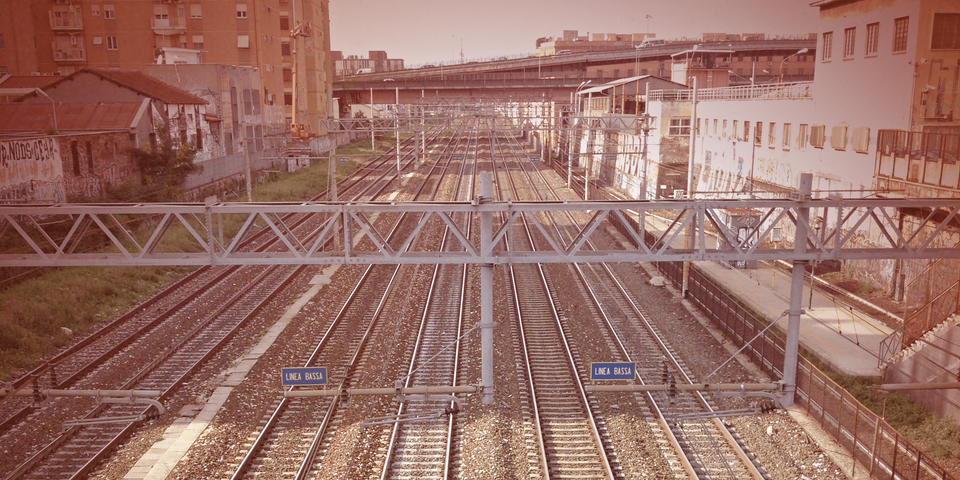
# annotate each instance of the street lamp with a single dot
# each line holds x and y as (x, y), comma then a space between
(576, 94)
(799, 52)
(54, 104)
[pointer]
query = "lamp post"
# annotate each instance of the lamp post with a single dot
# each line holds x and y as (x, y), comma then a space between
(52, 103)
(799, 52)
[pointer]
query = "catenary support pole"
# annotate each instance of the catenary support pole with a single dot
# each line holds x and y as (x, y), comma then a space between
(486, 294)
(796, 295)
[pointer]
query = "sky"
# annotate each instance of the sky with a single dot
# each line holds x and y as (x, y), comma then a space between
(431, 31)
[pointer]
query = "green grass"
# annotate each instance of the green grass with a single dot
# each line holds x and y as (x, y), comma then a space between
(33, 311)
(938, 437)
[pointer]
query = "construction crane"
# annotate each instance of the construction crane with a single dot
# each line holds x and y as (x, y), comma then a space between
(297, 130)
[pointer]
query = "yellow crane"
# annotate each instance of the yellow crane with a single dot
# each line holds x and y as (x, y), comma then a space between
(297, 130)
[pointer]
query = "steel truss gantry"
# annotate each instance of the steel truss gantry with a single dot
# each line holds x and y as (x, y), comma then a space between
(136, 234)
(48, 235)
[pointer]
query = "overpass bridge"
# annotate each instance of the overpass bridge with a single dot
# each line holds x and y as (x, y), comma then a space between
(545, 78)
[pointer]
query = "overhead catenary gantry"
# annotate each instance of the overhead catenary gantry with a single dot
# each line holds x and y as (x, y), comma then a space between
(688, 230)
(33, 228)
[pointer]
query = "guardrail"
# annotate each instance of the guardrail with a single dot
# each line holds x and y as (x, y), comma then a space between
(782, 91)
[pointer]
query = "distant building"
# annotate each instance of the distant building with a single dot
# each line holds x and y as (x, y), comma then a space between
(377, 62)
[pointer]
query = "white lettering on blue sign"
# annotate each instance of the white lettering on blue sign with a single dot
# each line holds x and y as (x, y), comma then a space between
(612, 371)
(304, 376)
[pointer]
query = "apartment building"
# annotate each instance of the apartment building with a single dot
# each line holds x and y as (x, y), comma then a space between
(62, 36)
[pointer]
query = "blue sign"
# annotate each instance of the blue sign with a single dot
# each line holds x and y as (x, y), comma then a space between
(612, 371)
(304, 376)
(458, 157)
(534, 159)
(344, 159)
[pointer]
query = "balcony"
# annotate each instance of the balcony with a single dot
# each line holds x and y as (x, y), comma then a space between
(69, 53)
(162, 26)
(65, 20)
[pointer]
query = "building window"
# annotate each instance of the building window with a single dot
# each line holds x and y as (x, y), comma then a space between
(714, 127)
(195, 11)
(679, 126)
(108, 11)
(97, 41)
(900, 30)
(288, 98)
(827, 46)
(786, 136)
(772, 135)
(724, 131)
(758, 134)
(873, 37)
(243, 41)
(802, 136)
(861, 139)
(198, 42)
(946, 31)
(180, 12)
(746, 132)
(736, 129)
(241, 10)
(112, 43)
(838, 137)
(94, 10)
(817, 135)
(284, 23)
(199, 144)
(849, 42)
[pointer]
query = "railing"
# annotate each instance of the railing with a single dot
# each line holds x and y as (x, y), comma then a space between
(69, 53)
(936, 302)
(164, 24)
(66, 20)
(920, 158)
(782, 91)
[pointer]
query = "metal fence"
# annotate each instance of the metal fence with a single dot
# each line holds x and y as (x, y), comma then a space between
(932, 296)
(876, 446)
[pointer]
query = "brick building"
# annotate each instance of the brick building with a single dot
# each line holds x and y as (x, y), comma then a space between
(62, 36)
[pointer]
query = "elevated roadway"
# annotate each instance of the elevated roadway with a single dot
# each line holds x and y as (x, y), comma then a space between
(551, 78)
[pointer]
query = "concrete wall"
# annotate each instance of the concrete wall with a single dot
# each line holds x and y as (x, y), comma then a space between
(937, 359)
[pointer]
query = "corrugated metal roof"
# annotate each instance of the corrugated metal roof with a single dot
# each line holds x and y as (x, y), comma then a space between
(20, 117)
(29, 81)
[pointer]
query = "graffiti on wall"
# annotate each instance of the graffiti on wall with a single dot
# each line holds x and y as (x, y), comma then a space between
(31, 170)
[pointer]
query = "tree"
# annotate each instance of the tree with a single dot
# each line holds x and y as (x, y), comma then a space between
(164, 167)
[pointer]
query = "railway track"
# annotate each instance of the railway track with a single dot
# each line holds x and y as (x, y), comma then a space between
(295, 439)
(143, 335)
(568, 426)
(707, 446)
(424, 437)
(381, 334)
